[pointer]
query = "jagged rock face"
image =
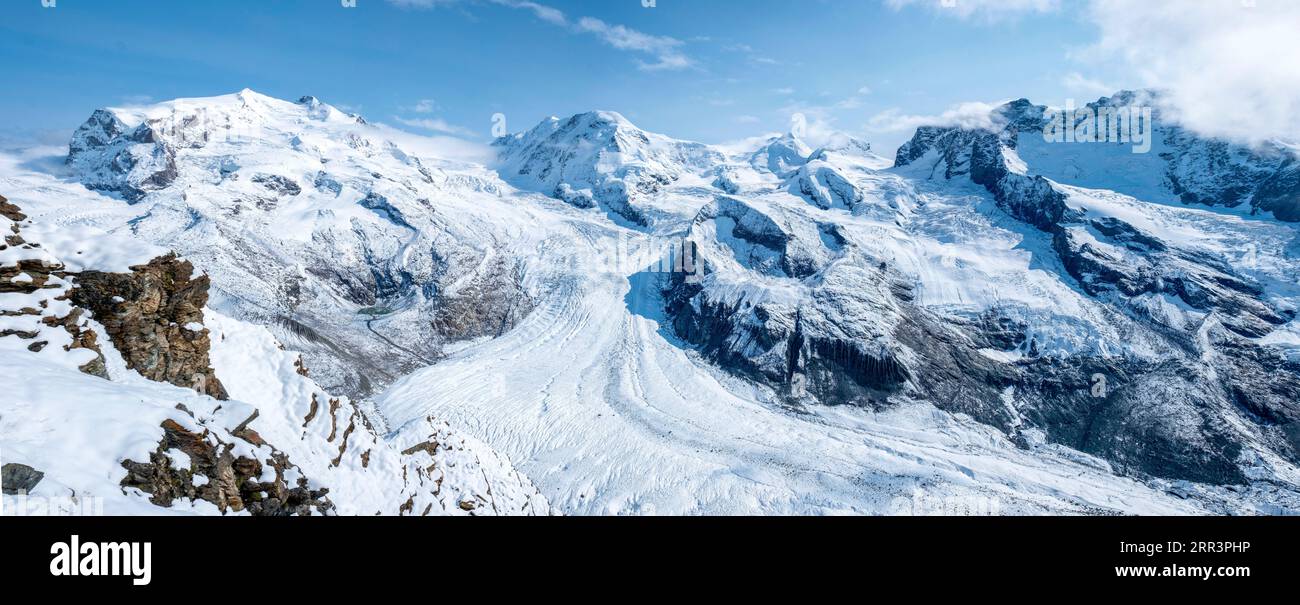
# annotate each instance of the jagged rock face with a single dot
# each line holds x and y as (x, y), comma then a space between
(10, 211)
(154, 315)
(857, 340)
(980, 155)
(1193, 415)
(1280, 193)
(1183, 165)
(1103, 255)
(488, 306)
(233, 481)
(19, 478)
(852, 335)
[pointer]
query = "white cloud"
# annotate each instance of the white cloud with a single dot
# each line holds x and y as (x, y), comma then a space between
(665, 51)
(541, 11)
(816, 121)
(1078, 83)
(1228, 67)
(663, 48)
(424, 106)
(441, 147)
(991, 10)
(783, 91)
(966, 115)
(747, 119)
(437, 125)
(1230, 70)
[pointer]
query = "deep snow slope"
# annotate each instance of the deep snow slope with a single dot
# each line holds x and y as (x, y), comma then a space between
(106, 440)
(830, 333)
(311, 222)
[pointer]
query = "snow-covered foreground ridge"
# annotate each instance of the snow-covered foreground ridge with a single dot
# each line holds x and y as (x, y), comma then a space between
(987, 324)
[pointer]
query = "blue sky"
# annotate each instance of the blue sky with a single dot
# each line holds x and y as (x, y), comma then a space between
(708, 70)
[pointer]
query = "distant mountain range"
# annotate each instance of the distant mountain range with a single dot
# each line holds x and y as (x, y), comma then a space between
(1057, 327)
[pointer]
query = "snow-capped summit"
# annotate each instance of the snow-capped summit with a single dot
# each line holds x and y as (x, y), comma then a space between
(600, 159)
(301, 212)
(1143, 150)
(781, 154)
(994, 315)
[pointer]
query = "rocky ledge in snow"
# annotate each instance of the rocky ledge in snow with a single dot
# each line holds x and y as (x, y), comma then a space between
(185, 410)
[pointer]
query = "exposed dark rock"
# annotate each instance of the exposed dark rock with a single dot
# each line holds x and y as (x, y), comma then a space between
(490, 305)
(280, 184)
(1280, 193)
(1179, 419)
(38, 270)
(45, 278)
(19, 478)
(82, 338)
(230, 482)
(148, 314)
(11, 211)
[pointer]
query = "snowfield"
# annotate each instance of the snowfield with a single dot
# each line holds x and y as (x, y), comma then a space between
(562, 379)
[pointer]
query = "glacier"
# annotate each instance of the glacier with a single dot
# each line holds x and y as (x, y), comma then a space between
(984, 318)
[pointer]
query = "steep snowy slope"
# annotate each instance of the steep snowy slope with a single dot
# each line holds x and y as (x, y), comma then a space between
(1178, 168)
(311, 222)
(601, 159)
(829, 333)
(97, 437)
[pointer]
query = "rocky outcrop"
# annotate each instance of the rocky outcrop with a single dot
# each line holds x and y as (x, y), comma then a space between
(981, 156)
(10, 211)
(154, 316)
(19, 478)
(1191, 416)
(40, 309)
(198, 465)
(1102, 255)
(490, 305)
(1280, 193)
(281, 185)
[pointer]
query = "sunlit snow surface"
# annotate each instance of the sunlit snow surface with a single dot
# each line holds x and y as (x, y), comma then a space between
(594, 399)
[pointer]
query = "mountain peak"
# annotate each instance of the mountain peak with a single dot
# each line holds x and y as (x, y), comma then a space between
(781, 154)
(603, 117)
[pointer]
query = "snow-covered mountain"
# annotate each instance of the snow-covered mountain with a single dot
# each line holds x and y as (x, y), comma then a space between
(125, 395)
(601, 159)
(641, 325)
(313, 223)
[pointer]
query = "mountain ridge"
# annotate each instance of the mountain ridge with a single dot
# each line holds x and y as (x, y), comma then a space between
(968, 296)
